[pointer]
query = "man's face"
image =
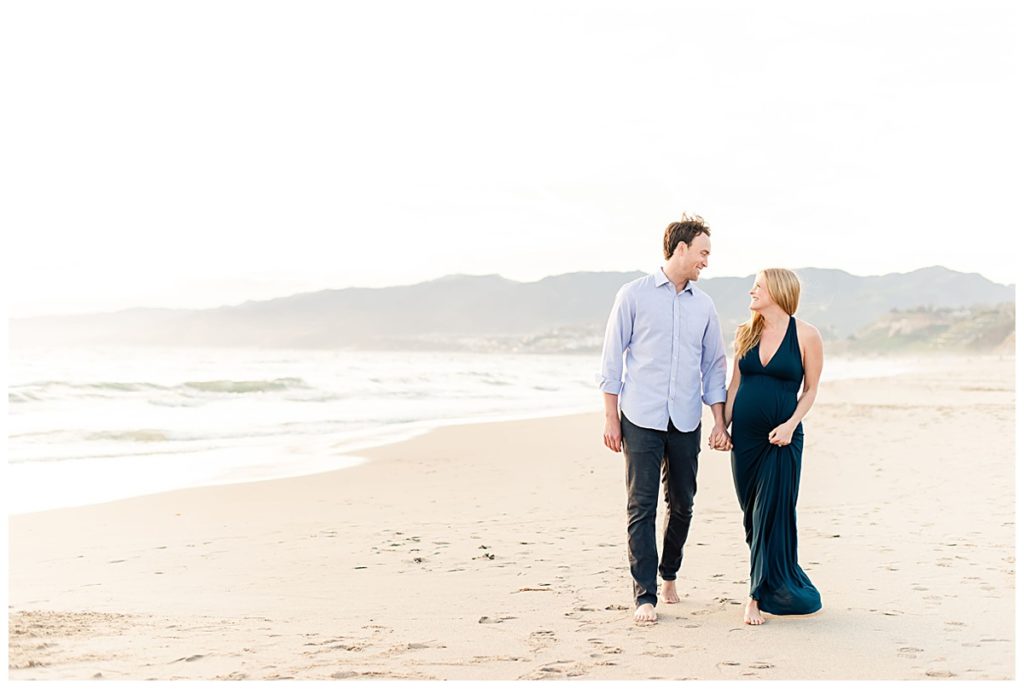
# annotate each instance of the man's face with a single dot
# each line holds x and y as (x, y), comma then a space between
(695, 258)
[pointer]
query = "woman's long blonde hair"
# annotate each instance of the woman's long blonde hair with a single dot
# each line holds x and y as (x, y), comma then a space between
(784, 287)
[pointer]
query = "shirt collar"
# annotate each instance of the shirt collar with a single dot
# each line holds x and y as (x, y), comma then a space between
(660, 279)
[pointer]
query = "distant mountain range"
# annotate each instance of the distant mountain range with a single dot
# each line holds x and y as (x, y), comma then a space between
(489, 312)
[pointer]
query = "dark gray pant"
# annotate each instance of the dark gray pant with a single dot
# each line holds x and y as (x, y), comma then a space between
(672, 455)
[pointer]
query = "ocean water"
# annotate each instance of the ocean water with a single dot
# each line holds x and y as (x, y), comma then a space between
(88, 426)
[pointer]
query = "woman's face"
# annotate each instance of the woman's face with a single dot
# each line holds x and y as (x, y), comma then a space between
(759, 297)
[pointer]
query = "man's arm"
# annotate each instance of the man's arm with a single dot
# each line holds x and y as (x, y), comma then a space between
(617, 335)
(712, 365)
(612, 425)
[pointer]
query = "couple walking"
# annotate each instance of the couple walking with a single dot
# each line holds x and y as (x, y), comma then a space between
(667, 331)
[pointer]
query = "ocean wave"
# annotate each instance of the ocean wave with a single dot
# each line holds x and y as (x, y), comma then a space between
(244, 386)
(77, 438)
(50, 389)
(78, 456)
(142, 435)
(118, 386)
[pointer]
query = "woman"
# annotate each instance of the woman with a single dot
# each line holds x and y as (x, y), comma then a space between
(774, 353)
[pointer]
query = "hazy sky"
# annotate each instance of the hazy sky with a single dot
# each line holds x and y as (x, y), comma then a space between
(194, 154)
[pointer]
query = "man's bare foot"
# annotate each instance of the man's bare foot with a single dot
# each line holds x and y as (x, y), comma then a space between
(752, 614)
(668, 591)
(645, 613)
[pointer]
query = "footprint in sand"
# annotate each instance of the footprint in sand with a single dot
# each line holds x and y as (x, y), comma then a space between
(418, 646)
(189, 659)
(541, 639)
(600, 644)
(557, 670)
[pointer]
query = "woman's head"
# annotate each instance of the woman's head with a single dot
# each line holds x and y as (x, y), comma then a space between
(772, 286)
(775, 286)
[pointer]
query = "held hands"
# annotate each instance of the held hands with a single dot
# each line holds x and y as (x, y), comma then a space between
(719, 439)
(781, 435)
(613, 434)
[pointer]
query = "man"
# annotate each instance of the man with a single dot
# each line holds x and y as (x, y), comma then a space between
(668, 331)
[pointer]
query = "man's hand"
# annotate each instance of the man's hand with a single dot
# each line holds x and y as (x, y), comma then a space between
(782, 435)
(719, 439)
(613, 433)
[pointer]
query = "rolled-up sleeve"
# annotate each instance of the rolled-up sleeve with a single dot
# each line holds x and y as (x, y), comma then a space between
(617, 335)
(712, 361)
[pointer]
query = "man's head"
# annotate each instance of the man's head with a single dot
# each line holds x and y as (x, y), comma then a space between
(687, 246)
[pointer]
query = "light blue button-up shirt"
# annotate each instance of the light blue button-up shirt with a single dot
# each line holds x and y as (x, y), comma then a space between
(672, 346)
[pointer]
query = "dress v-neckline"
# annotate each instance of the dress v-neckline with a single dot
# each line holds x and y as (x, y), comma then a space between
(764, 365)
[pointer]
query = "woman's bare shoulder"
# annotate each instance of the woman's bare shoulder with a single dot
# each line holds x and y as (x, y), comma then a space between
(807, 332)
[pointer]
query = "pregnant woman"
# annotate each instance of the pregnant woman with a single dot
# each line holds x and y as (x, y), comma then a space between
(775, 352)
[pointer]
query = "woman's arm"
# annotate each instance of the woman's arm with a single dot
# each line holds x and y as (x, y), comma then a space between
(813, 353)
(734, 385)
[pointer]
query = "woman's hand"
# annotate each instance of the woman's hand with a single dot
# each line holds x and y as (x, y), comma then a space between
(720, 439)
(782, 435)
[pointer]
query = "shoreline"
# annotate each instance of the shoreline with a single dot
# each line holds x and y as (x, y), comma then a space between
(348, 455)
(497, 551)
(347, 452)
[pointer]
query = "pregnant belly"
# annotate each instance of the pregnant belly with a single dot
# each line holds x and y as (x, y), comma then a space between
(759, 409)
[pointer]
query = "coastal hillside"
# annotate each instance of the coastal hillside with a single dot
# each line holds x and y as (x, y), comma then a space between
(979, 329)
(560, 313)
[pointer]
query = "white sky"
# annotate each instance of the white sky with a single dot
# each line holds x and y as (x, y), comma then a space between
(193, 154)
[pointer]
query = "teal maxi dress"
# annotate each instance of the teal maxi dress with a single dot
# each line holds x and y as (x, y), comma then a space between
(767, 477)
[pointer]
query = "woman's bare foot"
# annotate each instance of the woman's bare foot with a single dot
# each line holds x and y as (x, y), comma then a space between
(645, 613)
(752, 614)
(668, 591)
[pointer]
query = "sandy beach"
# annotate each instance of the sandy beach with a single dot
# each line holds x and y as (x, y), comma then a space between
(497, 551)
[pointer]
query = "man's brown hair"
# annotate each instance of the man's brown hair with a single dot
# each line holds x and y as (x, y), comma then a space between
(684, 230)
